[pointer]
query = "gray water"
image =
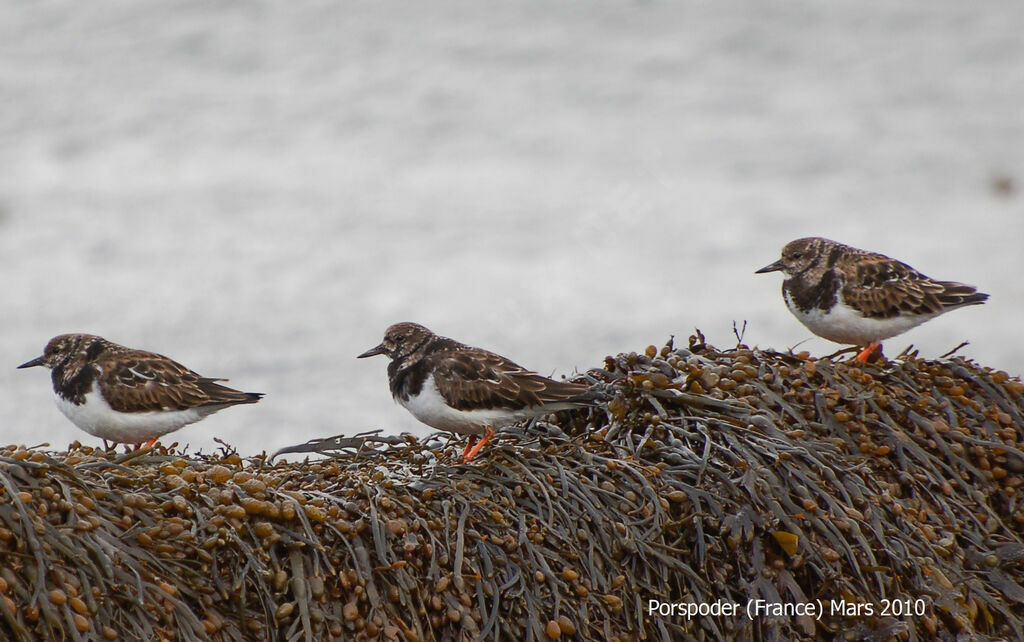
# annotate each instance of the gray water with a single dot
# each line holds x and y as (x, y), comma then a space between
(259, 189)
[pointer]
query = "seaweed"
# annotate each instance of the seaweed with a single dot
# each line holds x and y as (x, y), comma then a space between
(710, 475)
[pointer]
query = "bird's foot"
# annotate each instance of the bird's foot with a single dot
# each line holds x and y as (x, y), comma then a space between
(141, 445)
(469, 447)
(872, 352)
(473, 450)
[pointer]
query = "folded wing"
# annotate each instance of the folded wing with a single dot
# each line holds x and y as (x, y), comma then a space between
(883, 288)
(474, 380)
(147, 381)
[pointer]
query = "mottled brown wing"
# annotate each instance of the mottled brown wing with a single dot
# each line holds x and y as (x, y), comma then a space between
(137, 381)
(478, 379)
(881, 288)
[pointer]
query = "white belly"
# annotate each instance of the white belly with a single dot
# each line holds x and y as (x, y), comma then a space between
(97, 418)
(430, 408)
(843, 324)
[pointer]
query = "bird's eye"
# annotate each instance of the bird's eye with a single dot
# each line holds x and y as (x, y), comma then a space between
(797, 255)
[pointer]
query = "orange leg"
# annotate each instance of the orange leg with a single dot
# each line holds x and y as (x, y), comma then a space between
(474, 450)
(871, 349)
(469, 447)
(149, 443)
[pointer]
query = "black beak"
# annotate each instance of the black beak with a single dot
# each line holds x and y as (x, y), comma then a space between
(774, 267)
(372, 352)
(38, 361)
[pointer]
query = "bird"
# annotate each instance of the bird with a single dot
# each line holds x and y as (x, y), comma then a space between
(857, 297)
(466, 390)
(129, 396)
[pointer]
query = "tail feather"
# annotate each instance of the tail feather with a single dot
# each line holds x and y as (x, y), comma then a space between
(955, 295)
(591, 397)
(252, 397)
(216, 406)
(219, 395)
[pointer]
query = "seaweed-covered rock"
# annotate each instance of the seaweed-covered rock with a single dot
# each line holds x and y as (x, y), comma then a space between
(887, 496)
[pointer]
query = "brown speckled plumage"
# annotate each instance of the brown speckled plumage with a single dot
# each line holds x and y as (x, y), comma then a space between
(467, 378)
(850, 295)
(467, 390)
(871, 283)
(131, 380)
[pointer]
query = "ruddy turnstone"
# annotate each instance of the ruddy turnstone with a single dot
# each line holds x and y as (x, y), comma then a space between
(129, 396)
(857, 297)
(466, 390)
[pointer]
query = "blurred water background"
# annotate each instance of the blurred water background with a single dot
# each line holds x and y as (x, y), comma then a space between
(258, 189)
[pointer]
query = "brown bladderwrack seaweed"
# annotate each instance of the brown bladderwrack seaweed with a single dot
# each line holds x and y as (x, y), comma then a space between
(711, 476)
